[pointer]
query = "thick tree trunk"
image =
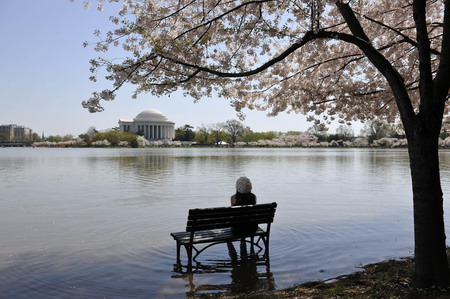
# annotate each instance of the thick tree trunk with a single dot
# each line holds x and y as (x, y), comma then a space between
(430, 249)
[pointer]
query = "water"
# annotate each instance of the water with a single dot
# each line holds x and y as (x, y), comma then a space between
(97, 222)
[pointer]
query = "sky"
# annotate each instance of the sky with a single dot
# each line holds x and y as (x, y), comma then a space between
(45, 76)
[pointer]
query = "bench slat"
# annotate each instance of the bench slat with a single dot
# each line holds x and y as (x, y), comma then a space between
(251, 207)
(211, 235)
(229, 215)
(227, 223)
(231, 210)
(231, 219)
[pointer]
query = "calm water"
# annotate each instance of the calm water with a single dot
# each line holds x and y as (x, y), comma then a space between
(96, 222)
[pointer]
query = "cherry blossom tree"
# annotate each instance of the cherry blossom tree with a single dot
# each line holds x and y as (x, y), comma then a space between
(234, 128)
(330, 60)
(203, 133)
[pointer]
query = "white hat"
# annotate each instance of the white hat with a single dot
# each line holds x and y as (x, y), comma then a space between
(243, 185)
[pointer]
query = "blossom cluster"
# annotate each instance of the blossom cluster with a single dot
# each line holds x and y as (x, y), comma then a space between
(68, 143)
(308, 140)
(302, 140)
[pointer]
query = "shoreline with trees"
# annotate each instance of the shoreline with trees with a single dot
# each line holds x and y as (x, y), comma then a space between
(233, 133)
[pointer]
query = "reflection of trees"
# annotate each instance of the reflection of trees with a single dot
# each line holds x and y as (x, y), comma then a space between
(386, 160)
(248, 273)
(147, 169)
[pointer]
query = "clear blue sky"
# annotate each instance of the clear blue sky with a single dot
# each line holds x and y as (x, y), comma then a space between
(45, 71)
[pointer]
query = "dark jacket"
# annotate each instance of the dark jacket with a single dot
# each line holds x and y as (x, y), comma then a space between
(240, 199)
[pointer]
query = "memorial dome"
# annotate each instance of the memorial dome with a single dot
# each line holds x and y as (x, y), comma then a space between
(151, 115)
(151, 124)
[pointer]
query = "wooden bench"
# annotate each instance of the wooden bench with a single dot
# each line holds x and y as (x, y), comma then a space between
(215, 226)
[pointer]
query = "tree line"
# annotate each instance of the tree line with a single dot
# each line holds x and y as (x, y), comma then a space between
(228, 132)
(233, 132)
(236, 133)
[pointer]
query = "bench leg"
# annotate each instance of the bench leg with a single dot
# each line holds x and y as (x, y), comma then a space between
(189, 256)
(252, 248)
(266, 242)
(243, 248)
(178, 252)
(232, 252)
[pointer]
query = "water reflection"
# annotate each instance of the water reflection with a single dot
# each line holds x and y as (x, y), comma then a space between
(248, 272)
(144, 169)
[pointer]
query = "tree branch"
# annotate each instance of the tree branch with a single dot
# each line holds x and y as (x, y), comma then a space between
(394, 79)
(405, 37)
(175, 12)
(223, 15)
(309, 36)
(423, 45)
(442, 79)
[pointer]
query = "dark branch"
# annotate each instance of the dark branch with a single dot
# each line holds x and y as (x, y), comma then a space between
(394, 79)
(222, 15)
(442, 79)
(324, 102)
(309, 36)
(405, 37)
(423, 45)
(175, 12)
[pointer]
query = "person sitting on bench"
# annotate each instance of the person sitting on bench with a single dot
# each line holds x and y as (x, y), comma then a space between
(243, 197)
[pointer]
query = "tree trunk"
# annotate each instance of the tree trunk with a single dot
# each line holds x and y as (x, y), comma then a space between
(431, 266)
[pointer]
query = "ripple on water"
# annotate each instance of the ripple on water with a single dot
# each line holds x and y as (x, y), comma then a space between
(106, 273)
(323, 250)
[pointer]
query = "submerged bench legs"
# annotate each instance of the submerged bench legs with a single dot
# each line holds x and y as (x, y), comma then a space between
(188, 252)
(178, 253)
(252, 243)
(190, 248)
(266, 246)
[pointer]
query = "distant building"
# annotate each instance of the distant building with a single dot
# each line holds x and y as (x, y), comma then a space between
(151, 124)
(15, 133)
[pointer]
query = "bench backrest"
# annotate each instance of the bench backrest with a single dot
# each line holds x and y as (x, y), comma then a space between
(213, 218)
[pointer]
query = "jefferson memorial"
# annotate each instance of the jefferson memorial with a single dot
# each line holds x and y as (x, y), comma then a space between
(151, 123)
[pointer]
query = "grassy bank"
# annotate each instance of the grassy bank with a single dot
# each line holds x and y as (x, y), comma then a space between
(389, 279)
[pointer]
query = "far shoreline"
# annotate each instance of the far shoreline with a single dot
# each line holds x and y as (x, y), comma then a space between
(213, 147)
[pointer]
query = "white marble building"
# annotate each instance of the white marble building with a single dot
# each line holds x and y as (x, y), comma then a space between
(151, 123)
